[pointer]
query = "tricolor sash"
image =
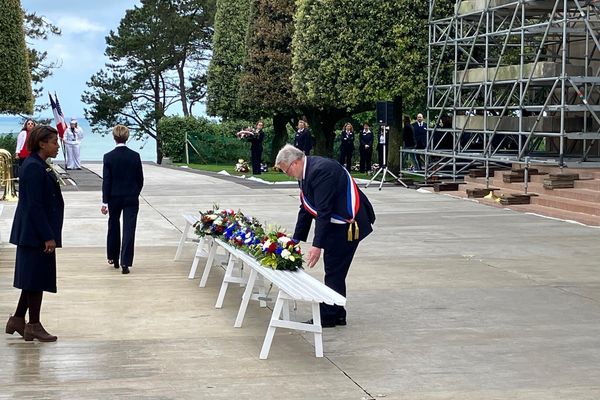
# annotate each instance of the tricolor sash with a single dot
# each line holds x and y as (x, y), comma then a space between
(352, 207)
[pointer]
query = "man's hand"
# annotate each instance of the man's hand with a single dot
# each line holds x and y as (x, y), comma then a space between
(104, 210)
(50, 246)
(313, 256)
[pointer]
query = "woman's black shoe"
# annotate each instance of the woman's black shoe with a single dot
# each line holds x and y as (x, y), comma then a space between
(125, 270)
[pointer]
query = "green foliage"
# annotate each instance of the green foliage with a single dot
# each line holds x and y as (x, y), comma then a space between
(343, 51)
(8, 142)
(265, 83)
(174, 131)
(225, 68)
(211, 142)
(15, 79)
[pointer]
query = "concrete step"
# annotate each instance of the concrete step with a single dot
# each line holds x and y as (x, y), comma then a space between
(580, 206)
(587, 190)
(586, 219)
(590, 184)
(536, 208)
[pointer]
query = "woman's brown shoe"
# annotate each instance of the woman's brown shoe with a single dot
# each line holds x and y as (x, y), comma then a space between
(37, 331)
(15, 324)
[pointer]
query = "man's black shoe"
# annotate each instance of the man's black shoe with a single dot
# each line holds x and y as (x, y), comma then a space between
(341, 321)
(125, 270)
(324, 324)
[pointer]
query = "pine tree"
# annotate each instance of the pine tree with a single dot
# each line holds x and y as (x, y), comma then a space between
(15, 78)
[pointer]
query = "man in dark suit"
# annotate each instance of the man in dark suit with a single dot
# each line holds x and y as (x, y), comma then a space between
(343, 216)
(122, 182)
(302, 138)
(420, 131)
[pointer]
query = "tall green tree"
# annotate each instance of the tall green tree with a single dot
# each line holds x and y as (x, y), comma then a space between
(349, 54)
(408, 76)
(15, 79)
(229, 52)
(147, 73)
(265, 85)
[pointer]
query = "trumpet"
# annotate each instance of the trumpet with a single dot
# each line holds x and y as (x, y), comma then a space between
(7, 181)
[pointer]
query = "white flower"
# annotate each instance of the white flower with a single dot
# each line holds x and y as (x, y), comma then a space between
(284, 240)
(286, 254)
(292, 258)
(266, 245)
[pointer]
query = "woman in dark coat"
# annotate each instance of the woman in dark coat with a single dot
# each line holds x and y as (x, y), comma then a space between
(36, 230)
(366, 148)
(303, 138)
(256, 147)
(347, 146)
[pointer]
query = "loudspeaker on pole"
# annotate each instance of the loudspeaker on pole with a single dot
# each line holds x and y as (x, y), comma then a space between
(385, 112)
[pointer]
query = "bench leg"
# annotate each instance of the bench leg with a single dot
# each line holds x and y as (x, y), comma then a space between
(318, 335)
(226, 279)
(245, 299)
(266, 347)
(182, 241)
(199, 249)
(286, 310)
(209, 263)
(262, 294)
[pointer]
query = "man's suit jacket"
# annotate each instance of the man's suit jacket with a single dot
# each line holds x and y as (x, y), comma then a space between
(303, 141)
(122, 174)
(420, 134)
(325, 186)
(40, 211)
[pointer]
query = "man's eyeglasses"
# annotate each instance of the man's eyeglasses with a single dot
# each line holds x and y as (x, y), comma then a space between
(285, 171)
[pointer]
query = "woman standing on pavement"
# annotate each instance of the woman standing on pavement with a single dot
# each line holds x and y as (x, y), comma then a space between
(21, 152)
(36, 230)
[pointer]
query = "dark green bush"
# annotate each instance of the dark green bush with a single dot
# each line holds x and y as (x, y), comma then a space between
(211, 142)
(8, 142)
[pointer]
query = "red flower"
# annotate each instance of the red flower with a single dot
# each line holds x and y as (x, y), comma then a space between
(280, 234)
(272, 248)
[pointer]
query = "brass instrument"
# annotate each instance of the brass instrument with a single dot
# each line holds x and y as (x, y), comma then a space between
(7, 181)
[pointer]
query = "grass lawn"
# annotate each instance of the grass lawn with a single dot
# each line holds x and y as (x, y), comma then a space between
(271, 176)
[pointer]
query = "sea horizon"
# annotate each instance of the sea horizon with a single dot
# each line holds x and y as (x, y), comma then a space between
(93, 146)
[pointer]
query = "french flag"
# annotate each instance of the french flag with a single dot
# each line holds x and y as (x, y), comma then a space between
(59, 118)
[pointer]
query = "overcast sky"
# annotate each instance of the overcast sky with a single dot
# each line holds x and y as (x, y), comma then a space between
(80, 48)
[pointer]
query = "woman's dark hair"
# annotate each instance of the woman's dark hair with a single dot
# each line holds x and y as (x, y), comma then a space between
(406, 119)
(41, 133)
(25, 124)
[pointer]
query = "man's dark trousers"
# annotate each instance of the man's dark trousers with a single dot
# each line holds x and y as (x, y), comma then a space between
(129, 207)
(338, 254)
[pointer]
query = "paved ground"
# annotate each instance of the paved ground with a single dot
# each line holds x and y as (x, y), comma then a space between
(447, 299)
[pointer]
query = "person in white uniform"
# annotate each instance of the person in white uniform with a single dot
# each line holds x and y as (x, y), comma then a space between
(73, 138)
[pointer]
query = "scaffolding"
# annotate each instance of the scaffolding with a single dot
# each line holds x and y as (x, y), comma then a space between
(511, 82)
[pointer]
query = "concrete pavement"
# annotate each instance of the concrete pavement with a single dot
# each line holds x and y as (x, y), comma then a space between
(447, 299)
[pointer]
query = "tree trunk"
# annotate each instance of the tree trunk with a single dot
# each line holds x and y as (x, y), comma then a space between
(280, 137)
(158, 113)
(395, 138)
(182, 91)
(322, 124)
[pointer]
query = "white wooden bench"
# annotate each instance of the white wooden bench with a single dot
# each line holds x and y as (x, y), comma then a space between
(190, 220)
(293, 287)
(203, 248)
